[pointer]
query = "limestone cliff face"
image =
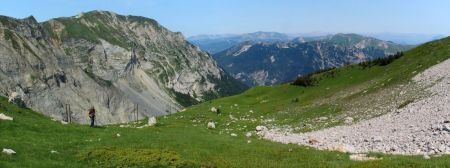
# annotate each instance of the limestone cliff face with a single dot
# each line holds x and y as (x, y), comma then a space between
(108, 61)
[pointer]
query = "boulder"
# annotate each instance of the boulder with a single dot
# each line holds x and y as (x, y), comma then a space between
(12, 96)
(313, 141)
(211, 125)
(261, 128)
(8, 151)
(348, 120)
(446, 121)
(323, 118)
(446, 128)
(151, 121)
(5, 117)
(233, 134)
(377, 139)
(16, 99)
(362, 157)
(344, 148)
(214, 109)
(232, 117)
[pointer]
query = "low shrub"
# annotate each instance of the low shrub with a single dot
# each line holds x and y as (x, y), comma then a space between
(381, 61)
(305, 81)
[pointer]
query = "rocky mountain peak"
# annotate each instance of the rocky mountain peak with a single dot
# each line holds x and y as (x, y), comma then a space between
(268, 63)
(108, 61)
(30, 19)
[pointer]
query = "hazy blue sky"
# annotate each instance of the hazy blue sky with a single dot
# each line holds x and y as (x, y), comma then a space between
(193, 17)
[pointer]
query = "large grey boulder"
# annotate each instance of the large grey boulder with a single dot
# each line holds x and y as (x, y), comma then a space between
(151, 121)
(211, 125)
(8, 151)
(5, 117)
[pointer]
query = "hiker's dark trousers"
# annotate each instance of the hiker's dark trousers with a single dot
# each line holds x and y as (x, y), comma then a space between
(92, 121)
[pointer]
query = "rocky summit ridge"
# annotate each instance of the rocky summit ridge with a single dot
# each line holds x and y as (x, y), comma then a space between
(270, 63)
(106, 60)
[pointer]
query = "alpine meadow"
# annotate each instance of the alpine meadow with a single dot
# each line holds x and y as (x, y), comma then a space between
(224, 83)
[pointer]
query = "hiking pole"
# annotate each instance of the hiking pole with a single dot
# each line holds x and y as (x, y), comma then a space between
(67, 113)
(70, 113)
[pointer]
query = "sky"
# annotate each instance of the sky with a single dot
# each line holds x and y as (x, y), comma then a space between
(194, 17)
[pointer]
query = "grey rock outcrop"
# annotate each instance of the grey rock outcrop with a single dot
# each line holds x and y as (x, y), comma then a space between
(108, 61)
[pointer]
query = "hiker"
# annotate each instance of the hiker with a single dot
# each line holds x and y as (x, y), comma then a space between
(92, 115)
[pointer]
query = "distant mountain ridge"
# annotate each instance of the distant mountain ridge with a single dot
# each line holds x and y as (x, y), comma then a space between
(406, 38)
(268, 63)
(217, 43)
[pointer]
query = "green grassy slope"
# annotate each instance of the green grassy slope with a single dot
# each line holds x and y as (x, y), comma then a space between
(182, 139)
(333, 96)
(33, 136)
